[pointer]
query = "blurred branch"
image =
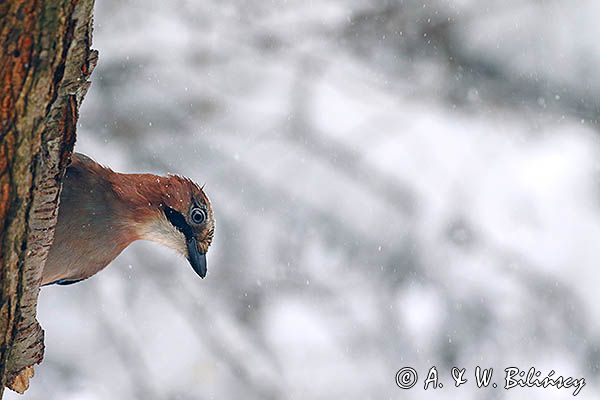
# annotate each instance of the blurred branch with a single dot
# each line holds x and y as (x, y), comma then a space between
(197, 315)
(131, 361)
(433, 33)
(337, 155)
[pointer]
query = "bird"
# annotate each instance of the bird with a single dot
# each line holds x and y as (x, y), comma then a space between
(101, 212)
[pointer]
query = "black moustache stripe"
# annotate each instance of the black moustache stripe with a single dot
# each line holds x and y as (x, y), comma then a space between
(179, 222)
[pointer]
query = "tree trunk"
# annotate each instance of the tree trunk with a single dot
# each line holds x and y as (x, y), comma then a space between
(45, 63)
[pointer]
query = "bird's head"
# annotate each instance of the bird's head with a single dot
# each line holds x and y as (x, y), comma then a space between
(181, 218)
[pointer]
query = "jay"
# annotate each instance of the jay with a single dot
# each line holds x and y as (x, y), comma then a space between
(101, 212)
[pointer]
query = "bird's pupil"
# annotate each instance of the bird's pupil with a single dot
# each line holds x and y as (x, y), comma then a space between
(198, 216)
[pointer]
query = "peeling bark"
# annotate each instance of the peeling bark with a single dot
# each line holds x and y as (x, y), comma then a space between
(45, 63)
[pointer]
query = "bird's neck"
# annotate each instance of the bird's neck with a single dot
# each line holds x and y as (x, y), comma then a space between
(101, 212)
(138, 201)
(142, 198)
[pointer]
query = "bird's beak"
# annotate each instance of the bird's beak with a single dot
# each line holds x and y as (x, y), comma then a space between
(196, 258)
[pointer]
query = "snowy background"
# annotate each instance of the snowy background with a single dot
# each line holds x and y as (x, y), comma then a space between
(396, 183)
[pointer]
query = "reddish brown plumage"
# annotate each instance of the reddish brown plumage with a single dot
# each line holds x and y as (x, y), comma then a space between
(101, 212)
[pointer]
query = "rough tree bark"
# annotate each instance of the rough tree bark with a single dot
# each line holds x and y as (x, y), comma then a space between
(45, 63)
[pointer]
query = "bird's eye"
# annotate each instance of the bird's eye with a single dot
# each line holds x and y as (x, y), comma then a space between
(198, 216)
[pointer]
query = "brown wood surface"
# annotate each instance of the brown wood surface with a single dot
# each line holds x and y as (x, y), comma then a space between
(45, 63)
